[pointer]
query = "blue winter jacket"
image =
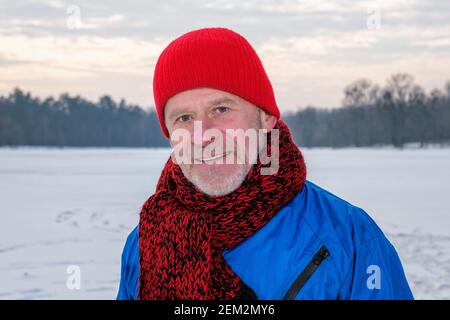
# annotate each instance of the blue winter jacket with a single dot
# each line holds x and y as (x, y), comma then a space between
(317, 246)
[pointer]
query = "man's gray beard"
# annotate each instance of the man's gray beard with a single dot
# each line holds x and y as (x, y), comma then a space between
(227, 184)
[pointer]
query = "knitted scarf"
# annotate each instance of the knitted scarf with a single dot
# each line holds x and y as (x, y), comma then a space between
(183, 232)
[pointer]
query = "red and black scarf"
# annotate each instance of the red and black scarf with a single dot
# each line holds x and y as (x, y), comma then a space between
(183, 232)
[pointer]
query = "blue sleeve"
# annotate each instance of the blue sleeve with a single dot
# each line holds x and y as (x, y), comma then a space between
(376, 273)
(129, 273)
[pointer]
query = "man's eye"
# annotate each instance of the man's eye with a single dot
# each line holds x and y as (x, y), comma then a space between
(221, 109)
(184, 118)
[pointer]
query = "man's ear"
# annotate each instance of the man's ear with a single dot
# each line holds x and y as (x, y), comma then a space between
(268, 121)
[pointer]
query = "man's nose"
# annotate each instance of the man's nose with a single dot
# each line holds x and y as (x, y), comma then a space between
(201, 125)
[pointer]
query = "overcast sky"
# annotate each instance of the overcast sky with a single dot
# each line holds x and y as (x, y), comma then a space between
(311, 49)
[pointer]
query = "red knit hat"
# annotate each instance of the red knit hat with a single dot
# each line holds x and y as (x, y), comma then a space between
(215, 58)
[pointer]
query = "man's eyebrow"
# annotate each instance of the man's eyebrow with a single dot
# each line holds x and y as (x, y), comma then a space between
(221, 100)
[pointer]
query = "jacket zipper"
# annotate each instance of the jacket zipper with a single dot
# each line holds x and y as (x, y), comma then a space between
(304, 276)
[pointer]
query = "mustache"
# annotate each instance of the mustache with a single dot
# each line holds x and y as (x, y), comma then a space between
(231, 155)
(212, 157)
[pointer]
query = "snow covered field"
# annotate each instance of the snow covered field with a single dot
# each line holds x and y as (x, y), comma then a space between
(75, 207)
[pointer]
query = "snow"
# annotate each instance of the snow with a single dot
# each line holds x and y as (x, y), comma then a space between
(75, 207)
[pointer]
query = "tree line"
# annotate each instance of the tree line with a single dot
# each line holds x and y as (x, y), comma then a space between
(76, 122)
(397, 113)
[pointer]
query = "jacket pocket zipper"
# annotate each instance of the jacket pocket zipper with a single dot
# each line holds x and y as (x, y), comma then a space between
(309, 270)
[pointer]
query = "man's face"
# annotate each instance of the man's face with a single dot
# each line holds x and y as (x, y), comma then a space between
(217, 111)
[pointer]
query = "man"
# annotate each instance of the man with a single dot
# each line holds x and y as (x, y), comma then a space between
(221, 227)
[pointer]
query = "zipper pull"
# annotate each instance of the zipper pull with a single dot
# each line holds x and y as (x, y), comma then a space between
(321, 255)
(303, 277)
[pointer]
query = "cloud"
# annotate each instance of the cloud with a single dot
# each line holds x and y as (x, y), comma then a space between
(89, 54)
(311, 49)
(318, 44)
